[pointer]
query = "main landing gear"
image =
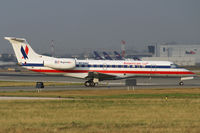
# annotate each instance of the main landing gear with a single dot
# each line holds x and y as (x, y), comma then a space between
(181, 83)
(89, 83)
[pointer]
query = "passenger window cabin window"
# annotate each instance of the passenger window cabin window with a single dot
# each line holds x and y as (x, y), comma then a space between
(119, 66)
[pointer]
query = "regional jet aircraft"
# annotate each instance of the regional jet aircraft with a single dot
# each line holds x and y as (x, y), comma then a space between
(94, 70)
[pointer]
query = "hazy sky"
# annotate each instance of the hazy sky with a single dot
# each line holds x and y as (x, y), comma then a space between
(79, 25)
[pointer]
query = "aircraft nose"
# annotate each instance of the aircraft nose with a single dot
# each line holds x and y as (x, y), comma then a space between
(190, 72)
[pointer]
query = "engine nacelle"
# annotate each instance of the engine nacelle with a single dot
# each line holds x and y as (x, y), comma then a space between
(60, 63)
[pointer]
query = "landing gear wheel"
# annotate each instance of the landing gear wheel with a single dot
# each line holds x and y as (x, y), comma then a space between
(181, 83)
(87, 83)
(92, 84)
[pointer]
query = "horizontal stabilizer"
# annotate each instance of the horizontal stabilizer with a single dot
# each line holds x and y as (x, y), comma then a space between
(15, 39)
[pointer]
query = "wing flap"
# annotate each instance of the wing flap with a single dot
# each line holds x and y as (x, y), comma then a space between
(100, 76)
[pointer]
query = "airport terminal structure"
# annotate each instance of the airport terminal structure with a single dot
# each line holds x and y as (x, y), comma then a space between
(181, 54)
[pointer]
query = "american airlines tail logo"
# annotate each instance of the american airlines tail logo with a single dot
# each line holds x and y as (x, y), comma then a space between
(24, 52)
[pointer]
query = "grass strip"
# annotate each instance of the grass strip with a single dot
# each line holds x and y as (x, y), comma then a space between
(19, 83)
(109, 94)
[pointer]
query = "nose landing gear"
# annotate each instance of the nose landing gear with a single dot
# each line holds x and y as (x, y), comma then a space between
(181, 83)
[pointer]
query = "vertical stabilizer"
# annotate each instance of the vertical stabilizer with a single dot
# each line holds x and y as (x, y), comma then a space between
(118, 56)
(97, 56)
(107, 56)
(22, 49)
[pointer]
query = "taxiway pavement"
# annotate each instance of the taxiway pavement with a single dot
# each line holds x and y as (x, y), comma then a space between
(142, 83)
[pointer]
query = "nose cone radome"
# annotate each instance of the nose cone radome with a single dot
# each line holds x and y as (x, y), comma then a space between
(190, 73)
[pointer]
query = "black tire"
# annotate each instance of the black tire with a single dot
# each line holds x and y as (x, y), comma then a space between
(181, 83)
(39, 85)
(92, 84)
(87, 83)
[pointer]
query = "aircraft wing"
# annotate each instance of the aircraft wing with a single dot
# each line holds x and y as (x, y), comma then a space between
(100, 76)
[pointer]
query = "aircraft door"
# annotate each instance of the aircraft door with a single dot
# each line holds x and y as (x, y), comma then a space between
(153, 69)
(104, 66)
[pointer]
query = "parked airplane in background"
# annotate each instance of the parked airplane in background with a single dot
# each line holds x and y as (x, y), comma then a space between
(136, 58)
(118, 56)
(107, 56)
(97, 56)
(94, 70)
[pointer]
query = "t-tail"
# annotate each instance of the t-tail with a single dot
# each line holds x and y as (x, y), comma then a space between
(28, 58)
(23, 51)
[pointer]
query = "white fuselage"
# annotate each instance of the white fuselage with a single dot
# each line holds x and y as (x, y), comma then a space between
(117, 68)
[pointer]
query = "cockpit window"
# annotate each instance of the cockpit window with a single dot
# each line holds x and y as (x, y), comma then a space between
(174, 66)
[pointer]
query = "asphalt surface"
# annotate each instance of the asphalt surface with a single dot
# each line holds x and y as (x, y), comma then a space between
(142, 83)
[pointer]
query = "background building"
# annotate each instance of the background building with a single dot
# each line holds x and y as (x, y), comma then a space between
(181, 54)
